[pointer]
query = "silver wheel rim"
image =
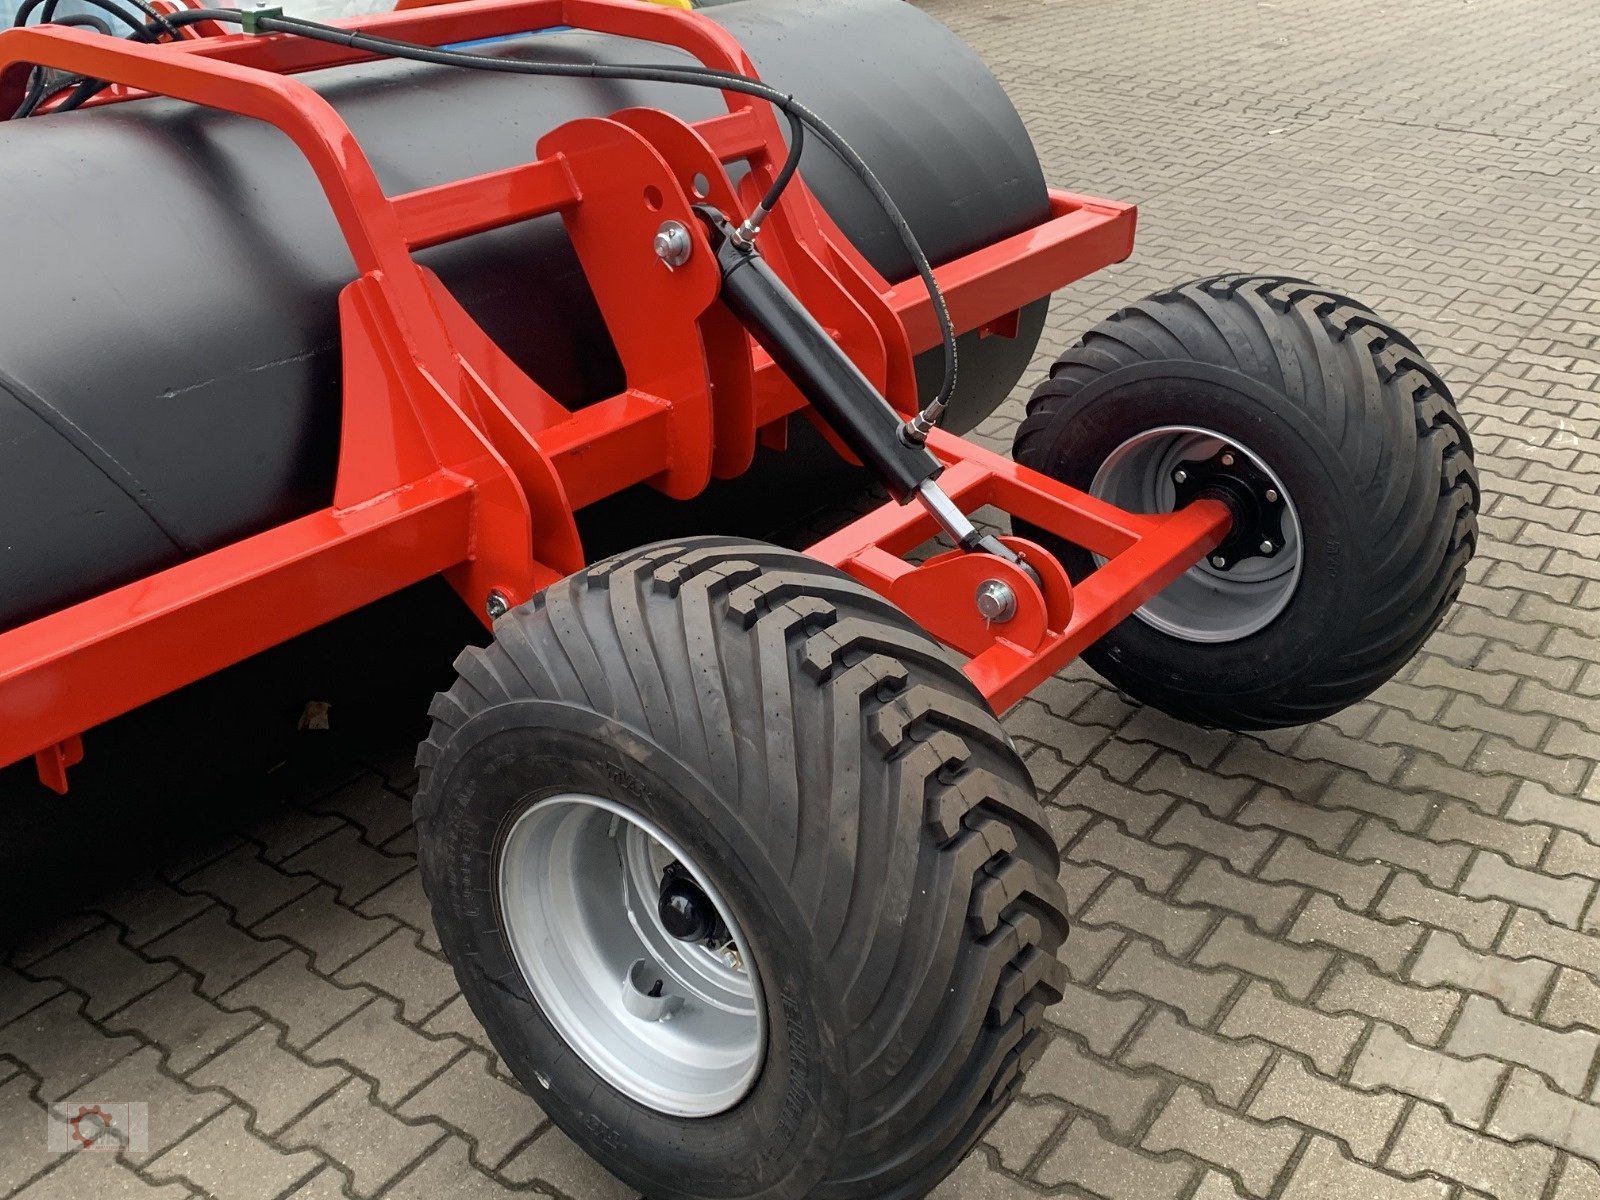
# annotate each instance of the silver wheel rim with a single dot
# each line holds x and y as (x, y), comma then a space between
(579, 888)
(1204, 604)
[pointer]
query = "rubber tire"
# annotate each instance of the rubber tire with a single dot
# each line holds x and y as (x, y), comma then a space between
(900, 894)
(1369, 445)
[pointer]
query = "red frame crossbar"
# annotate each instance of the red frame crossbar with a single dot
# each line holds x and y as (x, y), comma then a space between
(453, 461)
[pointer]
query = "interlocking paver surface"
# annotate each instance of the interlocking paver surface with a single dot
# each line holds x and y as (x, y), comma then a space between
(1360, 959)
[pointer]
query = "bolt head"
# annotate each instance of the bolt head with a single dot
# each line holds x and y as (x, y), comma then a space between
(1218, 561)
(997, 603)
(1272, 495)
(1268, 548)
(496, 605)
(1180, 475)
(673, 244)
(1227, 458)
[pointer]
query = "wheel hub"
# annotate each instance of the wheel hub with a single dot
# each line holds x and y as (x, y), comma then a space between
(685, 910)
(1258, 507)
(1248, 581)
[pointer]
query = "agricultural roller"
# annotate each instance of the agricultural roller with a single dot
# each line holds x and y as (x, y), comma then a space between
(726, 843)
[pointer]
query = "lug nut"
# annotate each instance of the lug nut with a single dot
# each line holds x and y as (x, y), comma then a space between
(673, 244)
(1272, 495)
(1180, 475)
(1218, 561)
(1227, 458)
(997, 603)
(1267, 548)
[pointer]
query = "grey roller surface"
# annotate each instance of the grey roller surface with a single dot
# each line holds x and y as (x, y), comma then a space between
(169, 358)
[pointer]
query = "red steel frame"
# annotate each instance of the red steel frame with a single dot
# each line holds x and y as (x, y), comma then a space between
(453, 461)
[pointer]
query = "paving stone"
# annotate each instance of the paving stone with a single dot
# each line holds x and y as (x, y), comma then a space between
(294, 996)
(102, 1176)
(1518, 984)
(1065, 1072)
(1323, 921)
(1226, 1068)
(1190, 825)
(225, 1160)
(552, 1158)
(1122, 904)
(188, 1027)
(353, 1131)
(1421, 1013)
(1464, 1087)
(495, 1117)
(1268, 905)
(1326, 1040)
(1574, 1001)
(1563, 900)
(1087, 949)
(1101, 1021)
(1326, 828)
(250, 887)
(1254, 1152)
(286, 833)
(150, 909)
(1214, 1185)
(1135, 811)
(1080, 881)
(331, 932)
(1522, 844)
(326, 1184)
(1477, 922)
(27, 1148)
(1142, 970)
(344, 860)
(18, 993)
(1579, 1180)
(1248, 757)
(1355, 884)
(1218, 794)
(1530, 1108)
(1023, 1130)
(975, 1179)
(1407, 810)
(272, 1082)
(376, 1043)
(1429, 1142)
(1528, 935)
(1295, 969)
(1535, 802)
(1323, 1173)
(174, 1109)
(1570, 854)
(219, 952)
(103, 969)
(1088, 1160)
(1107, 845)
(405, 901)
(369, 804)
(1438, 863)
(1363, 1121)
(57, 1044)
(1563, 1056)
(400, 967)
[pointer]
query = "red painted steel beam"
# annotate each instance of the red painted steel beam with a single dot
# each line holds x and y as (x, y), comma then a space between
(86, 664)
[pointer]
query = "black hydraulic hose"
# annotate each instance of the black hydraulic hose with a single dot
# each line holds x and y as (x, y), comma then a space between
(141, 31)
